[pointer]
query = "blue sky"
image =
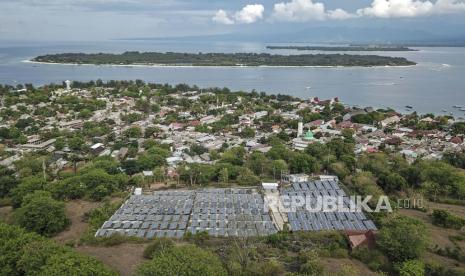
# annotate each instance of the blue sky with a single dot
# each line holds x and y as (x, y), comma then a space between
(108, 19)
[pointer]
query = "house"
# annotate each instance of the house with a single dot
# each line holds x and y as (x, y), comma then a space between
(270, 186)
(260, 114)
(75, 124)
(208, 119)
(37, 144)
(361, 238)
(294, 178)
(390, 120)
(97, 148)
(351, 114)
(329, 177)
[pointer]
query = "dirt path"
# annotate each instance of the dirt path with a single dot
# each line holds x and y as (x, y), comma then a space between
(123, 258)
(5, 213)
(75, 211)
(334, 266)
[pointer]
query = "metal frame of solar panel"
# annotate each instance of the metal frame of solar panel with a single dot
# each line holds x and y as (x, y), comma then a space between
(161, 214)
(229, 212)
(304, 220)
(170, 213)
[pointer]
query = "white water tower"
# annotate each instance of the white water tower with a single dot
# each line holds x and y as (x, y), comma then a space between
(300, 129)
(68, 84)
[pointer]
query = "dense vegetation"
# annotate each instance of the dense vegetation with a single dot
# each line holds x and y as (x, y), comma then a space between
(23, 253)
(342, 48)
(222, 59)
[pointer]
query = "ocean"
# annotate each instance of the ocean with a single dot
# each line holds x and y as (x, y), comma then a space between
(434, 85)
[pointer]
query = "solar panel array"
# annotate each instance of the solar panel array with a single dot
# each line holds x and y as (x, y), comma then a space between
(230, 212)
(307, 220)
(220, 212)
(163, 214)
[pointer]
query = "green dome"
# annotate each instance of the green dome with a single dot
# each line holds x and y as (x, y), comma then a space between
(309, 135)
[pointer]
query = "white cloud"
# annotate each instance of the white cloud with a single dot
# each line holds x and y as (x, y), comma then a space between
(222, 17)
(250, 14)
(339, 14)
(247, 15)
(449, 6)
(411, 8)
(299, 10)
(397, 8)
(307, 10)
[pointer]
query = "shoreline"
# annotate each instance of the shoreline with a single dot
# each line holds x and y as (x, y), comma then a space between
(214, 66)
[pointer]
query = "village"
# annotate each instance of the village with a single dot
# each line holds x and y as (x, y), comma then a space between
(393, 130)
(115, 169)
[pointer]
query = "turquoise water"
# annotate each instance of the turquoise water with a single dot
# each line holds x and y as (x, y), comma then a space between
(435, 84)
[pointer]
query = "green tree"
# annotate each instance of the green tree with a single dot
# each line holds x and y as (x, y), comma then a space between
(303, 163)
(59, 143)
(133, 132)
(412, 268)
(25, 187)
(71, 263)
(158, 246)
(76, 143)
(402, 238)
(7, 181)
(42, 214)
(247, 133)
(223, 176)
(183, 260)
(247, 178)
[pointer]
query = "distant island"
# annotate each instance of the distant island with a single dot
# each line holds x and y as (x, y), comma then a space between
(344, 48)
(222, 59)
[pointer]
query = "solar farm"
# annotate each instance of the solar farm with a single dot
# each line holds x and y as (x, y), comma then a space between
(228, 212)
(305, 220)
(220, 212)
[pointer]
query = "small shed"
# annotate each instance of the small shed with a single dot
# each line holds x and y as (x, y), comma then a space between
(269, 186)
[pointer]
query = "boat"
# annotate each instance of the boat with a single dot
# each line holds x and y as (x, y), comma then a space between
(456, 106)
(462, 109)
(408, 106)
(444, 110)
(308, 87)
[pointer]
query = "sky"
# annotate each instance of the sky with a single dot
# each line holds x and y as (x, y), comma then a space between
(88, 20)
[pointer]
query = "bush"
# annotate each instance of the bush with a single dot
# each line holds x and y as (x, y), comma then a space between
(23, 253)
(446, 219)
(158, 246)
(374, 259)
(412, 268)
(267, 268)
(183, 260)
(27, 186)
(402, 238)
(42, 214)
(310, 263)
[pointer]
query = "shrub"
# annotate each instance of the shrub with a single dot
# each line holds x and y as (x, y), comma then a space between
(402, 238)
(412, 268)
(42, 214)
(310, 263)
(183, 260)
(372, 258)
(158, 246)
(446, 219)
(25, 253)
(267, 268)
